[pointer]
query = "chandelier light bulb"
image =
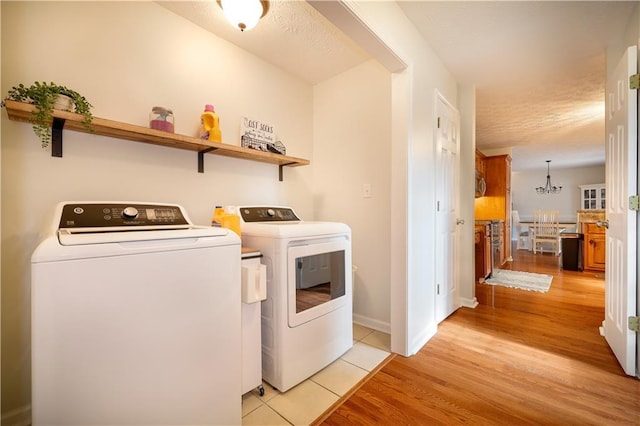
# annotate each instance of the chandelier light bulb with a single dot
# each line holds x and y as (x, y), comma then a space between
(244, 14)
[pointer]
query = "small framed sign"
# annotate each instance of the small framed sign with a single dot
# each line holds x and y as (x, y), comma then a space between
(256, 134)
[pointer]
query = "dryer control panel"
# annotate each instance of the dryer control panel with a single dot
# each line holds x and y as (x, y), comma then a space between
(268, 214)
(116, 215)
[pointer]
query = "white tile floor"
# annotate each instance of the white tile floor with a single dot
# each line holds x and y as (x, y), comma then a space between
(304, 403)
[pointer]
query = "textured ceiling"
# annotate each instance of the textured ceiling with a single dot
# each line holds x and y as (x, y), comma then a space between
(538, 67)
(293, 36)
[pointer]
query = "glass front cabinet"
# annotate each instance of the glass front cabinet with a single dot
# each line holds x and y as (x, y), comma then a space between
(593, 197)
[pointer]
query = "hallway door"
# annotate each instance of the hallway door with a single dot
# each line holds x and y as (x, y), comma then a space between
(621, 181)
(447, 181)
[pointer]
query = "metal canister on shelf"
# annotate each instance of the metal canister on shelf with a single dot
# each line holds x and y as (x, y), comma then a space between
(161, 118)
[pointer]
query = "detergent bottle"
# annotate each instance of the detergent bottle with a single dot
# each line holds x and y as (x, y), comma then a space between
(216, 219)
(226, 217)
(231, 220)
(210, 125)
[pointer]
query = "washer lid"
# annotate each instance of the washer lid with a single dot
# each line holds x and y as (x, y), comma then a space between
(66, 238)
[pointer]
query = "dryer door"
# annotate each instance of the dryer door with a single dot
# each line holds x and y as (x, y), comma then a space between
(317, 279)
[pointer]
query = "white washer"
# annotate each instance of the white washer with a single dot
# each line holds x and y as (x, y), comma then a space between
(307, 316)
(135, 318)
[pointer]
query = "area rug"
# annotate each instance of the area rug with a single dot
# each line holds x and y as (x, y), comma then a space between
(523, 280)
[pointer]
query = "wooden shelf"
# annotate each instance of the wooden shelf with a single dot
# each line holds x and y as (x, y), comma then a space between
(20, 111)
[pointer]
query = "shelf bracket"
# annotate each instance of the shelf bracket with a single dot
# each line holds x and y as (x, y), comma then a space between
(201, 158)
(280, 168)
(56, 136)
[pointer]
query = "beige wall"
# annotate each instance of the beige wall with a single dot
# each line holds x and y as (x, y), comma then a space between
(352, 147)
(525, 199)
(125, 58)
(412, 290)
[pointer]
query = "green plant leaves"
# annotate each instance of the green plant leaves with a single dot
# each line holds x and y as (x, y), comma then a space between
(43, 95)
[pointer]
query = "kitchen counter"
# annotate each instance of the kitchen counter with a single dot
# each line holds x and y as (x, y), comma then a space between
(488, 222)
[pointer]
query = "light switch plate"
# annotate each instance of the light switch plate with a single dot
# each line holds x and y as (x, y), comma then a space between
(366, 190)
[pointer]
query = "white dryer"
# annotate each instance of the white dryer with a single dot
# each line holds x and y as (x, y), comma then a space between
(135, 318)
(307, 316)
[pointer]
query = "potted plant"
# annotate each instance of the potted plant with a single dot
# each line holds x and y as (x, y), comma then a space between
(47, 97)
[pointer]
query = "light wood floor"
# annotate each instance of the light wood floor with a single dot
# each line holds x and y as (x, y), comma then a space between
(532, 358)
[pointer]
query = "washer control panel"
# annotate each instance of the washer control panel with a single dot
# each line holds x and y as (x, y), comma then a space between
(268, 214)
(108, 215)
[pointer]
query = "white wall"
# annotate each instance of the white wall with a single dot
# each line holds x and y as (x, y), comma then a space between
(526, 200)
(352, 135)
(412, 172)
(466, 194)
(126, 57)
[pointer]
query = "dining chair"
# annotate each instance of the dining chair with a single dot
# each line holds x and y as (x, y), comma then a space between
(546, 230)
(523, 241)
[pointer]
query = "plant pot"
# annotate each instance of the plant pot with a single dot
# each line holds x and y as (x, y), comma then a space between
(63, 103)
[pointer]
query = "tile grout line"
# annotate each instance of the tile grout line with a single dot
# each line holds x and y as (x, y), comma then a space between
(341, 399)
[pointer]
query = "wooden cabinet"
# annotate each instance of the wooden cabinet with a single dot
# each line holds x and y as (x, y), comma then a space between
(588, 216)
(594, 238)
(481, 185)
(497, 201)
(479, 251)
(483, 251)
(595, 248)
(480, 162)
(503, 253)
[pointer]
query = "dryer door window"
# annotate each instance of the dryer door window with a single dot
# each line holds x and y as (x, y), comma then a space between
(319, 279)
(318, 282)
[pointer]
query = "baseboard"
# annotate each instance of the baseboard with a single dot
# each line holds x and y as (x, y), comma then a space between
(18, 417)
(381, 326)
(422, 338)
(468, 303)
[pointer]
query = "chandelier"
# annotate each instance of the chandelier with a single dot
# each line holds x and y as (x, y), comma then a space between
(548, 188)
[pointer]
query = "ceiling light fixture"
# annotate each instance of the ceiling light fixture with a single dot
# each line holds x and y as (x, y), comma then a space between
(548, 188)
(244, 14)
